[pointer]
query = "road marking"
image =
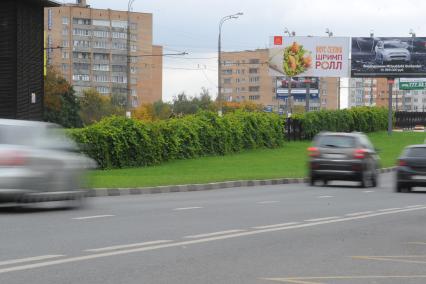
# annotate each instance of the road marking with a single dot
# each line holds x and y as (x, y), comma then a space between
(128, 246)
(93, 217)
(213, 234)
(368, 191)
(275, 225)
(322, 219)
(29, 259)
(388, 209)
(267, 202)
(325, 196)
(359, 213)
(187, 208)
(392, 258)
(308, 280)
(198, 241)
(413, 206)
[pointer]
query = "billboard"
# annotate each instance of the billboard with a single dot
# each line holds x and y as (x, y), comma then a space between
(298, 88)
(388, 57)
(310, 56)
(412, 84)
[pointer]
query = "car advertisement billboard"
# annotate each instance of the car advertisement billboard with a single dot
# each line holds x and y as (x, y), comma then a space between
(310, 56)
(388, 57)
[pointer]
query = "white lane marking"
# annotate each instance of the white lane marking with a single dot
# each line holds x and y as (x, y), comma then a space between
(199, 241)
(92, 217)
(359, 213)
(186, 208)
(325, 196)
(213, 234)
(276, 225)
(413, 206)
(128, 246)
(29, 259)
(389, 209)
(268, 202)
(368, 191)
(322, 219)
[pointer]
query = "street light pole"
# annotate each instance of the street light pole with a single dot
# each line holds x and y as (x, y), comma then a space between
(129, 61)
(219, 62)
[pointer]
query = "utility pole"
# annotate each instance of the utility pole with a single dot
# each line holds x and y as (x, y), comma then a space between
(129, 61)
(390, 111)
(308, 93)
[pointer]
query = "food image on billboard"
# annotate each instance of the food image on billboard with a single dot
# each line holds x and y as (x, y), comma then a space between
(310, 56)
(388, 57)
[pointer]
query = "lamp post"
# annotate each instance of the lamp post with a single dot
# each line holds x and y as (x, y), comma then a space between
(129, 61)
(219, 72)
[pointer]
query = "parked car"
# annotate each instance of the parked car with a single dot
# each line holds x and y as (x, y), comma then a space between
(343, 156)
(392, 50)
(411, 168)
(38, 163)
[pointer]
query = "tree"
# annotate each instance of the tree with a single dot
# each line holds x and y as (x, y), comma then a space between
(183, 105)
(95, 106)
(162, 110)
(61, 106)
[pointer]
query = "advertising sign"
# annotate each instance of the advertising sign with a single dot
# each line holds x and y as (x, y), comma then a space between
(298, 88)
(310, 56)
(388, 57)
(412, 84)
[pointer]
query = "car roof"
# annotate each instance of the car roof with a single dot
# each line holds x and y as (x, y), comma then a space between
(17, 122)
(416, 146)
(349, 134)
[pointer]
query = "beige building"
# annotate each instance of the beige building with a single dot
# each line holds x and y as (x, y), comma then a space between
(89, 48)
(247, 76)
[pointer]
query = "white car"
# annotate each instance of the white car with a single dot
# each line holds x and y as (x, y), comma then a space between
(392, 50)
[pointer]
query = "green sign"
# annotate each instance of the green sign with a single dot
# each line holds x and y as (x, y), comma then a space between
(421, 85)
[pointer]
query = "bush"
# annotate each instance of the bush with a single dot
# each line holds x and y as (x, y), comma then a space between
(117, 142)
(363, 119)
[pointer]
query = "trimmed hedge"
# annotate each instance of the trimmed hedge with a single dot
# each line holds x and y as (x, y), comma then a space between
(363, 119)
(117, 142)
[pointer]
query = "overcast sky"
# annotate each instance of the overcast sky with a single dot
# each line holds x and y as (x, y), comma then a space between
(192, 26)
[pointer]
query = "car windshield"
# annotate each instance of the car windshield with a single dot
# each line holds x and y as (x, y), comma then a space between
(416, 152)
(390, 45)
(336, 141)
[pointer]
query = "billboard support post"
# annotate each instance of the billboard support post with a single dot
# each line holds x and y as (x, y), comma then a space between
(308, 93)
(390, 112)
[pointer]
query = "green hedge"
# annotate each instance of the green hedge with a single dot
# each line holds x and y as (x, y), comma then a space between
(363, 119)
(118, 142)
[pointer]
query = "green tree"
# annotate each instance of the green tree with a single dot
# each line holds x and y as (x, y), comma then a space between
(162, 110)
(61, 106)
(95, 106)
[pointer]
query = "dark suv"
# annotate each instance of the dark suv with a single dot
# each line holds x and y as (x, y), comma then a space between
(343, 156)
(411, 170)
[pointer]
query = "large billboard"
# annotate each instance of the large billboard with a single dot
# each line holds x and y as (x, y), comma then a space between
(310, 56)
(298, 88)
(388, 57)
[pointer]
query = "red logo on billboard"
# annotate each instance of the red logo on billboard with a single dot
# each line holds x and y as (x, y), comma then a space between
(278, 40)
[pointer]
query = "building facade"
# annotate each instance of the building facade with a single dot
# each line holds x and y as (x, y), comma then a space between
(247, 76)
(89, 48)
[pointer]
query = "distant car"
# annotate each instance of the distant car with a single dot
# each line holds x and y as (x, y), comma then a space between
(392, 50)
(39, 163)
(411, 168)
(343, 156)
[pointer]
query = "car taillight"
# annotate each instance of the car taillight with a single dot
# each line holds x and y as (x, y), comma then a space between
(360, 154)
(402, 163)
(12, 159)
(313, 152)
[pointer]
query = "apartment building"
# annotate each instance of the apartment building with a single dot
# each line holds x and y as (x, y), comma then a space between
(368, 92)
(88, 47)
(247, 76)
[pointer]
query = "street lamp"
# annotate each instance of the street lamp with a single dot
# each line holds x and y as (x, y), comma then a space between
(219, 76)
(129, 60)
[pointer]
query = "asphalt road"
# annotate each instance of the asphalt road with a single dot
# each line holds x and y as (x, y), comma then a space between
(271, 234)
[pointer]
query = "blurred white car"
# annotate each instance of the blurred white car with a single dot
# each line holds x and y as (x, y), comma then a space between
(39, 163)
(392, 50)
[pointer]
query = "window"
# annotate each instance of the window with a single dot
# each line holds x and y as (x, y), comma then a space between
(80, 77)
(227, 81)
(119, 45)
(101, 78)
(119, 79)
(65, 55)
(133, 48)
(254, 98)
(100, 44)
(254, 89)
(119, 24)
(103, 90)
(103, 34)
(254, 61)
(133, 70)
(416, 100)
(120, 35)
(133, 92)
(81, 66)
(254, 79)
(81, 32)
(80, 21)
(227, 72)
(253, 70)
(133, 26)
(81, 55)
(119, 68)
(101, 56)
(65, 20)
(100, 67)
(134, 81)
(65, 43)
(81, 43)
(65, 31)
(101, 23)
(65, 67)
(49, 19)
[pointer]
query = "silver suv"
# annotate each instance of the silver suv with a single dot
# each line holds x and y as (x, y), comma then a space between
(343, 156)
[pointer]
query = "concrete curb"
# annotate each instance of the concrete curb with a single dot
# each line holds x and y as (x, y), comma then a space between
(100, 192)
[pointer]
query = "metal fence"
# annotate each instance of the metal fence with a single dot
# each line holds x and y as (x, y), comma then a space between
(409, 120)
(293, 130)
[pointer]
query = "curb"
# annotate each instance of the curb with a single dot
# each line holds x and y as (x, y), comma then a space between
(102, 192)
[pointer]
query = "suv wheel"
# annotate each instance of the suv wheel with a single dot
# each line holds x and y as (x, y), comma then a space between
(374, 179)
(312, 181)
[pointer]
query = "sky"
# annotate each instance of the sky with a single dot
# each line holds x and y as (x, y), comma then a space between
(192, 26)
